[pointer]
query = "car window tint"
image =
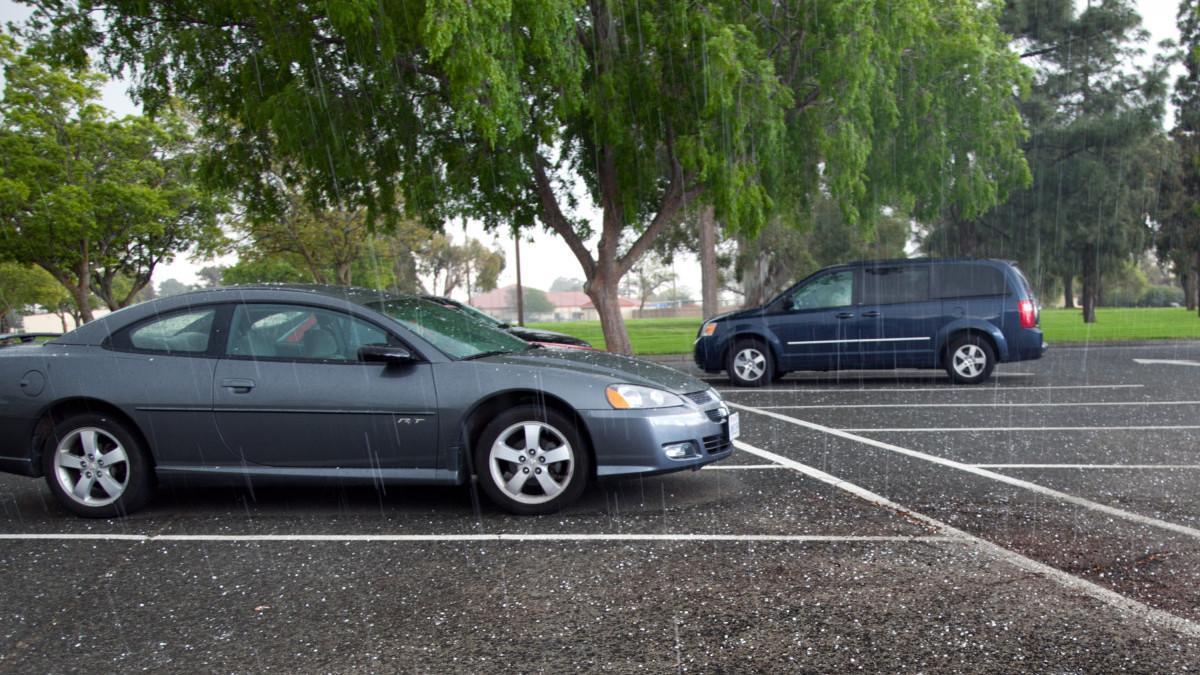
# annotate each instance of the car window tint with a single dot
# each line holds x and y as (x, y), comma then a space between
(299, 332)
(829, 290)
(896, 283)
(183, 332)
(963, 280)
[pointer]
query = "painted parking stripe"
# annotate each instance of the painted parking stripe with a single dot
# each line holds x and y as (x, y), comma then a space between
(452, 538)
(984, 473)
(732, 467)
(1166, 362)
(923, 430)
(947, 388)
(1080, 404)
(1146, 467)
(1070, 581)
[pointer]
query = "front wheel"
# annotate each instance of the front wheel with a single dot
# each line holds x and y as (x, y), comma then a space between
(96, 468)
(531, 460)
(970, 360)
(750, 364)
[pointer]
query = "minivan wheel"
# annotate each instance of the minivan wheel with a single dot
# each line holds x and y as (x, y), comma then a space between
(96, 468)
(531, 460)
(750, 364)
(970, 360)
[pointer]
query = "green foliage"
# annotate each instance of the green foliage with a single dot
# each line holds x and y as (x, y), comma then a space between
(24, 286)
(269, 269)
(496, 109)
(1095, 149)
(96, 202)
(535, 301)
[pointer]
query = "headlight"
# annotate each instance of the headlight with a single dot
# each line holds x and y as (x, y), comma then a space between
(633, 397)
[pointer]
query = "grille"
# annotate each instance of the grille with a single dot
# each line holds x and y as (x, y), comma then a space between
(699, 397)
(715, 444)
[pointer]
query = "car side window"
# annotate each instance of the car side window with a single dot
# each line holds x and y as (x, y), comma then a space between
(886, 285)
(966, 280)
(829, 290)
(299, 332)
(186, 332)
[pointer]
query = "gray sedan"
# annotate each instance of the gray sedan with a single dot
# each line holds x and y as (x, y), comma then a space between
(297, 383)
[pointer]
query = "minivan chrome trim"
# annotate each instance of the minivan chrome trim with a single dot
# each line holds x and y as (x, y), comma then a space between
(829, 342)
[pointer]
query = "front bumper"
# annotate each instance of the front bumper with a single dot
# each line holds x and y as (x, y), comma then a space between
(707, 354)
(631, 442)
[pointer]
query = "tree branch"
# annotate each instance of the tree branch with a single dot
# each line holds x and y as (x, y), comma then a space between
(552, 215)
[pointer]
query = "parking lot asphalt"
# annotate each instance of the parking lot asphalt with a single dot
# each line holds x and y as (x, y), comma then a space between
(887, 521)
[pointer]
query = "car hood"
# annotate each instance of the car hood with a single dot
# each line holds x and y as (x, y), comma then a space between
(612, 367)
(752, 312)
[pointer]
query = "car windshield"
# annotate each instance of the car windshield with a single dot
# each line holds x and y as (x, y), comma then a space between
(459, 335)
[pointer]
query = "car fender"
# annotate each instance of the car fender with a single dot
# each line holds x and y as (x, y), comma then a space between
(739, 331)
(974, 325)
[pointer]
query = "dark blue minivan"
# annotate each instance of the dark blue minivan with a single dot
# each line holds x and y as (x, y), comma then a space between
(964, 315)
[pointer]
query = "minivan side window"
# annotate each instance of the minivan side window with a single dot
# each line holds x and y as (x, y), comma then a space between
(828, 290)
(895, 284)
(966, 280)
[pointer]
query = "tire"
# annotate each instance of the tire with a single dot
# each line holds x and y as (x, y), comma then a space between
(750, 364)
(96, 467)
(970, 359)
(556, 470)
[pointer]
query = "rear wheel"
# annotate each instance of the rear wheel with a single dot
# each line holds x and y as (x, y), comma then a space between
(970, 359)
(96, 468)
(531, 460)
(750, 364)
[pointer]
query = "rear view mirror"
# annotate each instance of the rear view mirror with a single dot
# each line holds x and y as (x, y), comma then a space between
(385, 354)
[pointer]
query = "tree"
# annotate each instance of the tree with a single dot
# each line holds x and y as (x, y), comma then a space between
(171, 287)
(1096, 151)
(783, 254)
(563, 284)
(91, 200)
(498, 110)
(210, 276)
(1178, 238)
(23, 286)
(471, 264)
(646, 278)
(535, 300)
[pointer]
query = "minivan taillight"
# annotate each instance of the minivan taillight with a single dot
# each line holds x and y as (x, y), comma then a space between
(1028, 311)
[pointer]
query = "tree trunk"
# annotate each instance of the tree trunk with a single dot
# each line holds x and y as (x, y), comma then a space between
(344, 273)
(1187, 279)
(603, 292)
(1091, 281)
(709, 283)
(1195, 296)
(1069, 291)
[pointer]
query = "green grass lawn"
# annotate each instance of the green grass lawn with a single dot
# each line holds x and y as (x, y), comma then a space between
(675, 336)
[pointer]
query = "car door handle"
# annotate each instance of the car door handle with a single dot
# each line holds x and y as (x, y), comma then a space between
(871, 314)
(239, 385)
(844, 315)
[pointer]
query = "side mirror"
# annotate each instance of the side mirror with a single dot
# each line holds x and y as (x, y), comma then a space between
(389, 354)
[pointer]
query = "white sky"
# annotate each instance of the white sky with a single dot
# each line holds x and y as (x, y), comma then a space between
(544, 256)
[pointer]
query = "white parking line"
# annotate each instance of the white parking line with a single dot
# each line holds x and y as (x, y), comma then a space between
(1070, 581)
(729, 467)
(984, 473)
(438, 538)
(1149, 467)
(1160, 427)
(948, 388)
(1080, 404)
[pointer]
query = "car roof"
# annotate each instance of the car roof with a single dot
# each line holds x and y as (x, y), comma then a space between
(95, 332)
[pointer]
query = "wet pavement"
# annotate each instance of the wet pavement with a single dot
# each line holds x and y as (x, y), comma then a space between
(1046, 521)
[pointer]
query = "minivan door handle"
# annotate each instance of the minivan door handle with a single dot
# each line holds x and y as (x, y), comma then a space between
(845, 315)
(239, 385)
(871, 314)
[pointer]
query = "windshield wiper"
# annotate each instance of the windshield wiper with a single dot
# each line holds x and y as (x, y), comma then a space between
(480, 355)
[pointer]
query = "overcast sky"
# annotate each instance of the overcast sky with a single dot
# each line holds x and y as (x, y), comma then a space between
(544, 256)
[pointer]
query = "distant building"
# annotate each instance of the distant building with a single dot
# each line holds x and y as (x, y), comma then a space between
(53, 323)
(568, 306)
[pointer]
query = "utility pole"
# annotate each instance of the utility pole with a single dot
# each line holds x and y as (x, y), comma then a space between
(520, 291)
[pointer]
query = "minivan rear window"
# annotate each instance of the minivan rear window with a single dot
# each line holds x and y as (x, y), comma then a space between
(885, 285)
(966, 280)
